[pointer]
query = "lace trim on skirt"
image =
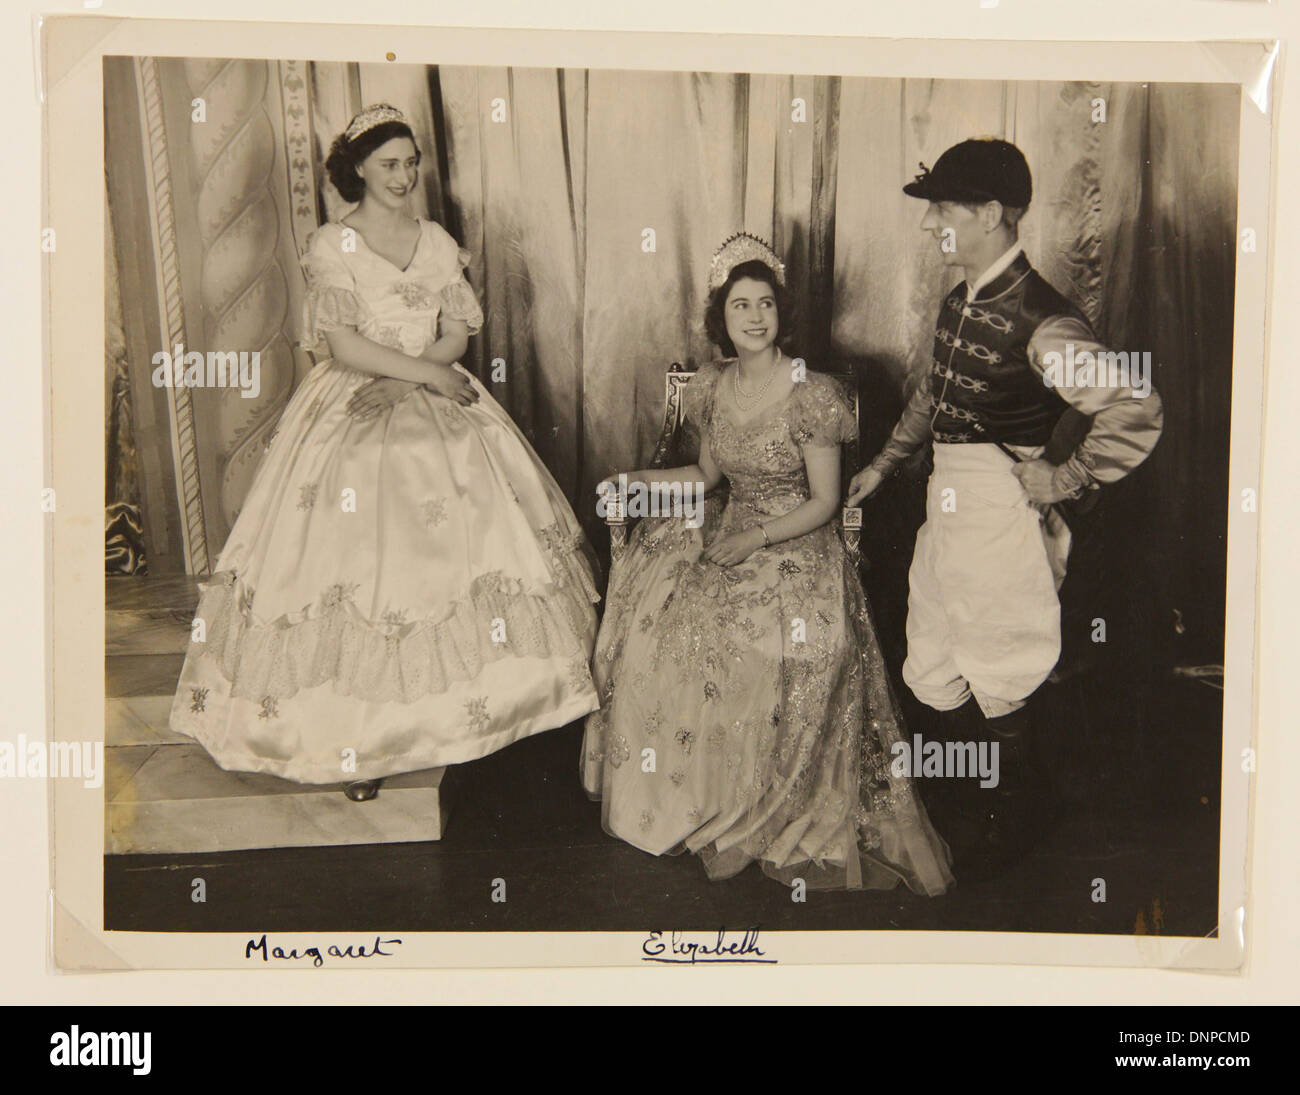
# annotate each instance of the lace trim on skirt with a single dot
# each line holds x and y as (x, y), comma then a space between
(567, 557)
(395, 661)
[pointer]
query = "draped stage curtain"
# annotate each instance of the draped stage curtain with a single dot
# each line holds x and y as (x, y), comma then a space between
(555, 199)
(1134, 217)
(124, 551)
(556, 179)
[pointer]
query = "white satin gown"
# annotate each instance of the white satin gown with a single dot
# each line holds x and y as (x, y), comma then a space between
(400, 593)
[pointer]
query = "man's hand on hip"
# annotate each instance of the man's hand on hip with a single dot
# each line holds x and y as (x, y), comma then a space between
(1038, 479)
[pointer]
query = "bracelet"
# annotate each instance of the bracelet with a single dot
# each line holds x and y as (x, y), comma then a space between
(767, 540)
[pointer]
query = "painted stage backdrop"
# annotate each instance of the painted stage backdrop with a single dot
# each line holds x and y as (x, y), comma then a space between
(591, 202)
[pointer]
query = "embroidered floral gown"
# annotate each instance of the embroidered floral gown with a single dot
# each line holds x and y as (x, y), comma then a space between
(760, 688)
(397, 593)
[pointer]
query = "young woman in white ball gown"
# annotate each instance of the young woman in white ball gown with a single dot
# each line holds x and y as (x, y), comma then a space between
(405, 587)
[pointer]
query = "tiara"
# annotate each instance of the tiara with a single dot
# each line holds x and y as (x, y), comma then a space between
(742, 247)
(372, 116)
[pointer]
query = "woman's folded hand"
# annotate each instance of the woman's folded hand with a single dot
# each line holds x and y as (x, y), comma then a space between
(376, 396)
(454, 384)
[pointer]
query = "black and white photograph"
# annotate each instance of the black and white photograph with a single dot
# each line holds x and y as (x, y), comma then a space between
(701, 504)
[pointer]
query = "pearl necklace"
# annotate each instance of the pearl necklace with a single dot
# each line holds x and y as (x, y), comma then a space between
(749, 402)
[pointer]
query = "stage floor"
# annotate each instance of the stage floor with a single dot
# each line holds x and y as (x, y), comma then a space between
(1138, 795)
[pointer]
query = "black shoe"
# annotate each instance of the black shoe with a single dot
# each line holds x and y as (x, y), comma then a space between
(1013, 826)
(990, 829)
(363, 790)
(957, 807)
(942, 798)
(1011, 733)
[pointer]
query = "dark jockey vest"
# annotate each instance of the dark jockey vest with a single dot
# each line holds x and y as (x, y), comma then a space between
(983, 387)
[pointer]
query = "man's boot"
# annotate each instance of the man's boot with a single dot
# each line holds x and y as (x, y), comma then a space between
(955, 805)
(1009, 805)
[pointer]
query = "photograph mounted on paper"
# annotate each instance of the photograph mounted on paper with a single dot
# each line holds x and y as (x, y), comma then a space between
(642, 500)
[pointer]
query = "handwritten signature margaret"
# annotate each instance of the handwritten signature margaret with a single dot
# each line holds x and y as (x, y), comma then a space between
(259, 948)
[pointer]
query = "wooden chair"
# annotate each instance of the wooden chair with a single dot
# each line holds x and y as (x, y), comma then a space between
(679, 443)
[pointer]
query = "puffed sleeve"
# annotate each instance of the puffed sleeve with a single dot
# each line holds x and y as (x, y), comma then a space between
(332, 300)
(823, 414)
(457, 299)
(1127, 420)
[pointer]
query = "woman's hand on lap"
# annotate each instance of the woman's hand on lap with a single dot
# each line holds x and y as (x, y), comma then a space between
(376, 396)
(454, 385)
(735, 548)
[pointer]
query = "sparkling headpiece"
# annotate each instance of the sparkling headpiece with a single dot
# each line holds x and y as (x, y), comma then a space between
(372, 116)
(742, 247)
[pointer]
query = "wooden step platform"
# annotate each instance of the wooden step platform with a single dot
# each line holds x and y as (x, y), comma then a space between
(149, 615)
(164, 793)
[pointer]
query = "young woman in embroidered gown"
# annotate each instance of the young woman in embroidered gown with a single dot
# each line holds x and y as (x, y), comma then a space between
(406, 586)
(740, 656)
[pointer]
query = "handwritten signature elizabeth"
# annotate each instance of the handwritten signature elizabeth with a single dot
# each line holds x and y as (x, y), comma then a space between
(677, 949)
